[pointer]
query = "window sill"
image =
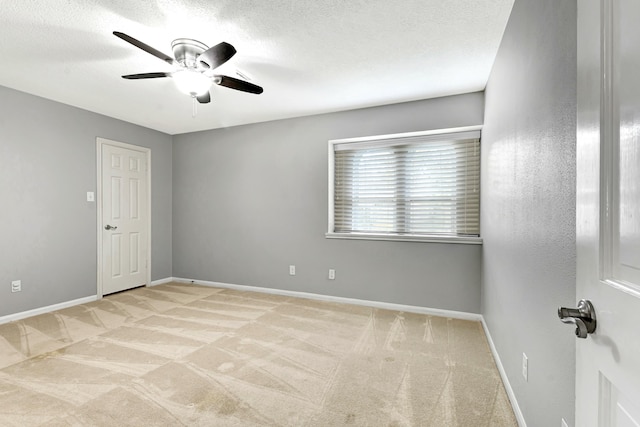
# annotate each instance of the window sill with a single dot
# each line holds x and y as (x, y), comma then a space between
(406, 238)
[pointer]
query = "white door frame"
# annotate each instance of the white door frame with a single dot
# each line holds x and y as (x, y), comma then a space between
(147, 152)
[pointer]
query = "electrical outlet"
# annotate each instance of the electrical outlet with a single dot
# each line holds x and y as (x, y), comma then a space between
(525, 367)
(16, 286)
(563, 423)
(332, 274)
(292, 270)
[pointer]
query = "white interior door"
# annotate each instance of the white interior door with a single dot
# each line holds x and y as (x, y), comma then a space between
(608, 211)
(124, 224)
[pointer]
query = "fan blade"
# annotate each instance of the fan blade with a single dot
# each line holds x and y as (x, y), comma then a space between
(217, 55)
(146, 76)
(145, 47)
(237, 84)
(204, 98)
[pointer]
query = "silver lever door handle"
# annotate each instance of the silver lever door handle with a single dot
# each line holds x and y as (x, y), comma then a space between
(584, 317)
(110, 227)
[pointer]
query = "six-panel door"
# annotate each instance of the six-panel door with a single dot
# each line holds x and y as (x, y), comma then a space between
(124, 218)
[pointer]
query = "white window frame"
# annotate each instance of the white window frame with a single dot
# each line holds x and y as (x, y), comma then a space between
(389, 237)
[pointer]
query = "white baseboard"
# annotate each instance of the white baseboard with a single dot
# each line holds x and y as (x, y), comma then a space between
(384, 305)
(505, 379)
(47, 309)
(163, 281)
(66, 304)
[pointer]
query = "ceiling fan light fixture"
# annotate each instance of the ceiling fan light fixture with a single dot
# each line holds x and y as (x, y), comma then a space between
(192, 82)
(192, 60)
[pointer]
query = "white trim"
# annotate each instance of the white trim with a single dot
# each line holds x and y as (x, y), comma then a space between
(147, 151)
(331, 158)
(367, 303)
(163, 281)
(406, 134)
(405, 238)
(404, 140)
(505, 379)
(47, 309)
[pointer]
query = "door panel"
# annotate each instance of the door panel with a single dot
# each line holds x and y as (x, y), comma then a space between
(134, 201)
(134, 253)
(116, 194)
(125, 216)
(608, 211)
(616, 409)
(627, 41)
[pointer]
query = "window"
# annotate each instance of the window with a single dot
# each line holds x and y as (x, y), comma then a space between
(418, 186)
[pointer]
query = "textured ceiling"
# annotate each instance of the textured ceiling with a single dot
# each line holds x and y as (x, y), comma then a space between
(311, 56)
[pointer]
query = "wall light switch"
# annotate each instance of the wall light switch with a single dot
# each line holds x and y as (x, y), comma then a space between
(16, 286)
(91, 196)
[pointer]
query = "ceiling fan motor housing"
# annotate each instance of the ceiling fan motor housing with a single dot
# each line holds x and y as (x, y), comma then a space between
(187, 51)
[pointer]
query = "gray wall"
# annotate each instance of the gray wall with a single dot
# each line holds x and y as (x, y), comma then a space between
(48, 153)
(250, 200)
(528, 205)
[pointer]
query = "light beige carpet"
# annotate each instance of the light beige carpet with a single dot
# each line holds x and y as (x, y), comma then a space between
(181, 354)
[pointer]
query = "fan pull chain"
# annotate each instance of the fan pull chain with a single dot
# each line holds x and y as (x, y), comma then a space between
(194, 110)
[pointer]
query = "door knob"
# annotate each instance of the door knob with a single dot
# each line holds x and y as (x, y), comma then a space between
(584, 317)
(110, 227)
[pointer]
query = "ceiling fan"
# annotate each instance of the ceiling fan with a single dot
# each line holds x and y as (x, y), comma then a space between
(194, 63)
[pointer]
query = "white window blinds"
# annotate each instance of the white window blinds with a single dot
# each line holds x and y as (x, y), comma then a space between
(423, 185)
